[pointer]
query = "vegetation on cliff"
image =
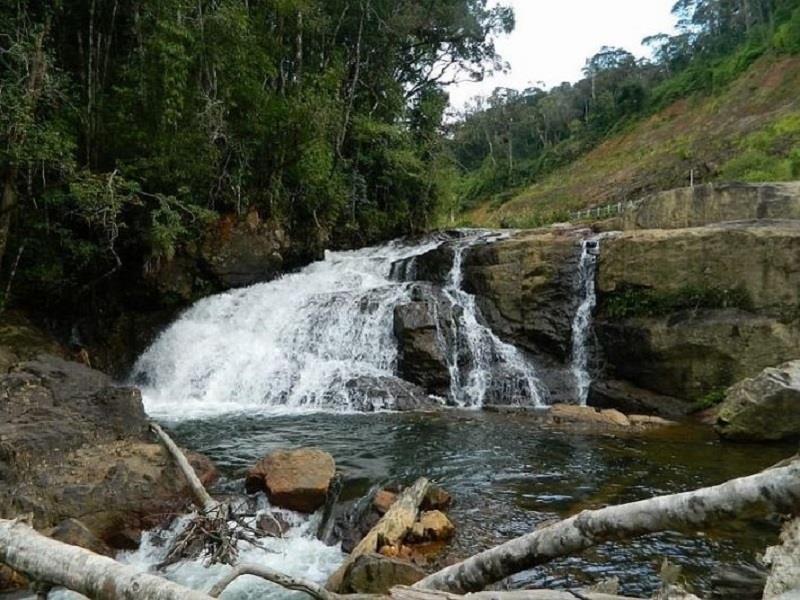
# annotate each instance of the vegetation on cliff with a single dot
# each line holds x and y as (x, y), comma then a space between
(718, 99)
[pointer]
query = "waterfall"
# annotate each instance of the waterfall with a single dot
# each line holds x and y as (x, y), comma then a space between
(494, 368)
(308, 342)
(582, 323)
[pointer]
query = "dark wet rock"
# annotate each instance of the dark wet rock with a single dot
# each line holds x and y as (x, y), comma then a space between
(527, 288)
(434, 266)
(422, 357)
(374, 574)
(73, 445)
(628, 398)
(436, 498)
(75, 533)
(273, 524)
(371, 393)
(295, 479)
(353, 520)
(763, 408)
(689, 354)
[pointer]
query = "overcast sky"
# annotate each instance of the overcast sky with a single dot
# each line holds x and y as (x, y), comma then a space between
(553, 39)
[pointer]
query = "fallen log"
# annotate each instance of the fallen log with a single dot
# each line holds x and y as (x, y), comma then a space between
(101, 578)
(389, 531)
(98, 577)
(776, 489)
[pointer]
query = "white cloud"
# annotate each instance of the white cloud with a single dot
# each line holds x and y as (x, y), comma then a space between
(553, 39)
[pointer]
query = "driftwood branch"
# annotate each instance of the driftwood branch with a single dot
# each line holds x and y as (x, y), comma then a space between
(285, 581)
(776, 489)
(390, 530)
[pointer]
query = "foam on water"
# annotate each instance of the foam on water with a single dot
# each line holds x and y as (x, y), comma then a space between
(298, 554)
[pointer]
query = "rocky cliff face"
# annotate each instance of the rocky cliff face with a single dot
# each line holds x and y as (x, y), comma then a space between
(687, 305)
(712, 203)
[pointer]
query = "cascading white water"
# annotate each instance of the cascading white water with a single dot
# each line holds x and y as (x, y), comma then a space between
(301, 342)
(516, 379)
(582, 323)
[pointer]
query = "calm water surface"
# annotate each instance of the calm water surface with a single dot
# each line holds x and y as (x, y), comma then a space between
(508, 475)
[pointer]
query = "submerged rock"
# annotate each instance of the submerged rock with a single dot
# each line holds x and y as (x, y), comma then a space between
(374, 574)
(372, 393)
(763, 408)
(295, 479)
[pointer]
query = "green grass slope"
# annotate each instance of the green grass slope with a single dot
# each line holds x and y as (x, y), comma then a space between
(749, 132)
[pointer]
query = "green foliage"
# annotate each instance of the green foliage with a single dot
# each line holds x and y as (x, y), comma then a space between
(787, 37)
(641, 302)
(772, 154)
(126, 127)
(710, 400)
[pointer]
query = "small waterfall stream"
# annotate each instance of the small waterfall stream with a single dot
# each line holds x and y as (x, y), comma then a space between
(582, 323)
(311, 340)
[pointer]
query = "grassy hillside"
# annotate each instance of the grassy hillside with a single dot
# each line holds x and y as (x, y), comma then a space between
(748, 132)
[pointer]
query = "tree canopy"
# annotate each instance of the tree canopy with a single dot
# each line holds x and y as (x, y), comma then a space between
(125, 125)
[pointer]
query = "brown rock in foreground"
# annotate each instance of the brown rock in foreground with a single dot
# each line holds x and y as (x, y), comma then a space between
(74, 446)
(433, 526)
(295, 479)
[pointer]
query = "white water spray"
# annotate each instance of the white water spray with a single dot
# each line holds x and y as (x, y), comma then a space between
(582, 323)
(492, 366)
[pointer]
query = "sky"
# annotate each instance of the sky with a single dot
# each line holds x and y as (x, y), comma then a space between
(553, 39)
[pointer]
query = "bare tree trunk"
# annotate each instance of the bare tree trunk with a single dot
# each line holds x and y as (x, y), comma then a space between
(202, 498)
(776, 489)
(97, 577)
(7, 205)
(390, 530)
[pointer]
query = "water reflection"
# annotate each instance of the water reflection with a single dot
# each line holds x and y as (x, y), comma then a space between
(508, 475)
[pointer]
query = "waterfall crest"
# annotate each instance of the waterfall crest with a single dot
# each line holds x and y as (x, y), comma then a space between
(308, 341)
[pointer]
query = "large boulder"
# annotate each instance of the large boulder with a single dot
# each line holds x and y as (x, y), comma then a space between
(753, 265)
(295, 479)
(422, 358)
(242, 253)
(73, 445)
(763, 408)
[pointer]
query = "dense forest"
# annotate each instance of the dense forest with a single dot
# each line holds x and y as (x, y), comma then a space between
(130, 126)
(515, 137)
(126, 126)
